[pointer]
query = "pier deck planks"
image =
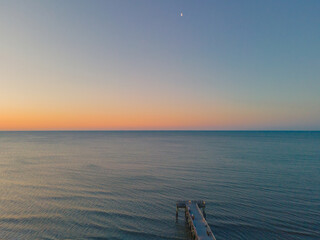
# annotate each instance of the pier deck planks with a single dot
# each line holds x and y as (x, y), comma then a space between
(198, 225)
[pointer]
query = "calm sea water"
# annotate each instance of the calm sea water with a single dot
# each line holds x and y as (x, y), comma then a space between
(123, 185)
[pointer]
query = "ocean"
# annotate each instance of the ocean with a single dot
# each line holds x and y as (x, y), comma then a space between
(124, 185)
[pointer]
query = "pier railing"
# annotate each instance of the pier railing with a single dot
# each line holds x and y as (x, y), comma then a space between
(191, 224)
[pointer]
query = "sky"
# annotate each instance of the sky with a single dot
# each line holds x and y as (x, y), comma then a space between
(140, 65)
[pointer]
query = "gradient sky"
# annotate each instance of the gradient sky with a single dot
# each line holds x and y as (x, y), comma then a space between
(67, 65)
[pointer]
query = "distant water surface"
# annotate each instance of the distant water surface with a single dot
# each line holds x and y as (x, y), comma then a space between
(123, 185)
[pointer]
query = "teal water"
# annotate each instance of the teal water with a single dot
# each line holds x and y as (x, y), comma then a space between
(123, 185)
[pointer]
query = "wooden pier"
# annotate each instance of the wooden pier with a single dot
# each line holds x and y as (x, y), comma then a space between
(197, 223)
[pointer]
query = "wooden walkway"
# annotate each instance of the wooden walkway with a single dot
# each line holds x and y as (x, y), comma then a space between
(197, 223)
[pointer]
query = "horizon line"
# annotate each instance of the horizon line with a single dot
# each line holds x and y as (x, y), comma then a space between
(166, 130)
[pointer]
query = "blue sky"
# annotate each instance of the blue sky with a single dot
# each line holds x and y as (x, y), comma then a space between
(223, 65)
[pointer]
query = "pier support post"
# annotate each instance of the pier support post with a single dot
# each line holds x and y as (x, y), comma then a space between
(177, 214)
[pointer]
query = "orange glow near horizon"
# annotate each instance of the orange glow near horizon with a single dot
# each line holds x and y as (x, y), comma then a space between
(138, 119)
